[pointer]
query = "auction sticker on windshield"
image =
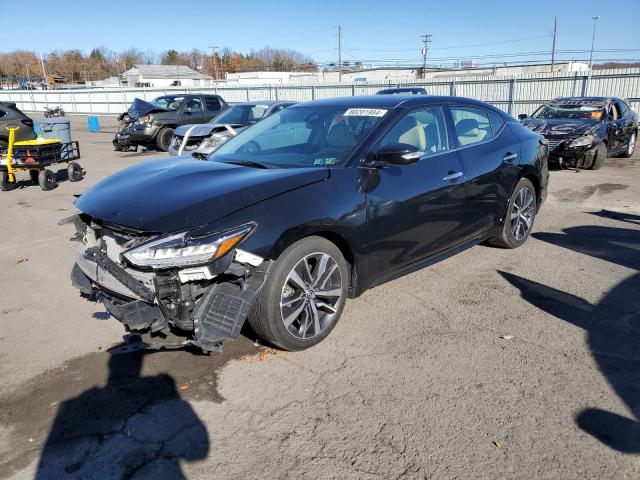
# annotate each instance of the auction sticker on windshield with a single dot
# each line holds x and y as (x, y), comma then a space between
(365, 112)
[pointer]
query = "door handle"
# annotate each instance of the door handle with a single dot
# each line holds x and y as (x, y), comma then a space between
(510, 157)
(452, 177)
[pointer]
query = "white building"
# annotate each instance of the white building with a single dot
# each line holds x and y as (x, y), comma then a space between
(160, 76)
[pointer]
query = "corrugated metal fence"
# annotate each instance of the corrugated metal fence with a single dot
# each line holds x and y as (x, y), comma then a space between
(520, 94)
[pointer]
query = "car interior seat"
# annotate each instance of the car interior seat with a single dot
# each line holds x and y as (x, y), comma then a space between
(410, 132)
(468, 131)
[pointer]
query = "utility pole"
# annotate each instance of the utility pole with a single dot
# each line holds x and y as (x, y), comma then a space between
(215, 64)
(553, 48)
(426, 39)
(339, 53)
(44, 73)
(593, 41)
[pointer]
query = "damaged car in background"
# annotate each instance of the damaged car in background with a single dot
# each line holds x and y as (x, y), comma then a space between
(200, 140)
(583, 131)
(151, 124)
(313, 205)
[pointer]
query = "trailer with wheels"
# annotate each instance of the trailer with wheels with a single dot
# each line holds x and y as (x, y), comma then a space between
(36, 157)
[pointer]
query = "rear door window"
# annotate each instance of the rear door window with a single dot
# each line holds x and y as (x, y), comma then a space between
(472, 125)
(212, 104)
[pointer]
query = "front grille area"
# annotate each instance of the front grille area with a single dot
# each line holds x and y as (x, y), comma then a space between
(554, 143)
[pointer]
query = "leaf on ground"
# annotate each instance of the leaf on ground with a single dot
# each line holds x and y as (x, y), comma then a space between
(284, 438)
(507, 337)
(183, 386)
(499, 445)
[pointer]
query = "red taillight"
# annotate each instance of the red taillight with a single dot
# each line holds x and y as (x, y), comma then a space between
(28, 122)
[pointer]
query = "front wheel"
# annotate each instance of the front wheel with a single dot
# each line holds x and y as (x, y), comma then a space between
(520, 215)
(5, 184)
(47, 180)
(304, 295)
(163, 139)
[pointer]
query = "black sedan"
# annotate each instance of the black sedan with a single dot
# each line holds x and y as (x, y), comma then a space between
(583, 131)
(305, 209)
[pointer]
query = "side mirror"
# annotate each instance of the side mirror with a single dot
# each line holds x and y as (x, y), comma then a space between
(397, 154)
(188, 110)
(522, 116)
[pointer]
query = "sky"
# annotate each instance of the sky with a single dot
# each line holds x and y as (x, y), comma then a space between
(373, 30)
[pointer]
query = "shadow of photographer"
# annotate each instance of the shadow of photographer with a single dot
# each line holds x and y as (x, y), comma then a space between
(612, 325)
(133, 427)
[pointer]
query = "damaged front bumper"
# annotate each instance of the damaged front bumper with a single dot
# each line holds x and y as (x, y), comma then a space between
(206, 305)
(572, 157)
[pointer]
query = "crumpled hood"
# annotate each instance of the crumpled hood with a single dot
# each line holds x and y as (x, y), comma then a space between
(203, 129)
(178, 193)
(560, 127)
(140, 108)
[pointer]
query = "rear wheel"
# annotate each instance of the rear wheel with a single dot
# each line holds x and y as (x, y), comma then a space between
(304, 295)
(74, 171)
(47, 180)
(5, 184)
(163, 139)
(628, 152)
(520, 216)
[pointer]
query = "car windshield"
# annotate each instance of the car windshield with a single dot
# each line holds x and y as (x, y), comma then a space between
(168, 102)
(569, 111)
(243, 114)
(303, 137)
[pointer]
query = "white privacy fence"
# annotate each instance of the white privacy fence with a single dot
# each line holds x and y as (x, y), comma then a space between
(521, 94)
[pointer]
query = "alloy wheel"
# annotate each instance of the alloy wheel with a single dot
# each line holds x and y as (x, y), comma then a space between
(522, 213)
(311, 295)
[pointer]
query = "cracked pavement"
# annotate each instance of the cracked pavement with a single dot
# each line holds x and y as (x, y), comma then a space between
(414, 382)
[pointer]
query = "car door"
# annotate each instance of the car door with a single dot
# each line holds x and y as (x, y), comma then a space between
(626, 125)
(489, 154)
(615, 128)
(212, 108)
(192, 111)
(414, 211)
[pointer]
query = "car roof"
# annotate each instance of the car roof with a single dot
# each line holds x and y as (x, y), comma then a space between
(391, 101)
(263, 102)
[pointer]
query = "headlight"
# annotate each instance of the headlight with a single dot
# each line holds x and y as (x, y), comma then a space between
(213, 141)
(146, 119)
(183, 250)
(582, 141)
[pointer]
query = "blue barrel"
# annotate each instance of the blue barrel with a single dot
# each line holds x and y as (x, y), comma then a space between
(94, 124)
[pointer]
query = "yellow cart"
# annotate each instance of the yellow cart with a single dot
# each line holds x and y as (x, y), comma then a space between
(35, 156)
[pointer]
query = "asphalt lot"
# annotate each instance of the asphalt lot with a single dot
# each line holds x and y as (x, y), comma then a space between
(492, 364)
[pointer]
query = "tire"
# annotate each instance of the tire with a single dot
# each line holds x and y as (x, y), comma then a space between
(600, 155)
(283, 300)
(512, 234)
(74, 172)
(47, 180)
(163, 138)
(5, 184)
(628, 151)
(33, 174)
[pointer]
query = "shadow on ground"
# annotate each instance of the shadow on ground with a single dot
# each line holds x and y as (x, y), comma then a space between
(612, 325)
(136, 424)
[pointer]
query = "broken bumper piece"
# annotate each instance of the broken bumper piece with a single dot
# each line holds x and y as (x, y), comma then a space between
(206, 309)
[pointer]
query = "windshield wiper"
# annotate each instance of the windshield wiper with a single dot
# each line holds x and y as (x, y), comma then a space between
(249, 163)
